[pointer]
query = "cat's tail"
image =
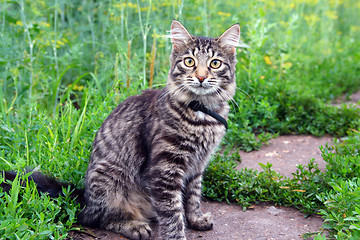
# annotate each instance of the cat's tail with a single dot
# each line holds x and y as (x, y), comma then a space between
(44, 184)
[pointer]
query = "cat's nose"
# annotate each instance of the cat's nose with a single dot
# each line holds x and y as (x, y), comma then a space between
(201, 78)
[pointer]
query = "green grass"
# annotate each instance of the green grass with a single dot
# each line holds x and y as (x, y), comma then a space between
(64, 65)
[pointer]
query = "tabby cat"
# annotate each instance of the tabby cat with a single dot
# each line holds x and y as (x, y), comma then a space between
(149, 155)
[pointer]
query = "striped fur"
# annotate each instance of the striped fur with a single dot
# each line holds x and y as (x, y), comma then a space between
(150, 153)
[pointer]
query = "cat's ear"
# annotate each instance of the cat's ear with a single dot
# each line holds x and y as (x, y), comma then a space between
(231, 38)
(179, 35)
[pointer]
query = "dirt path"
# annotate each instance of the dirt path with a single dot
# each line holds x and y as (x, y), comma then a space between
(261, 222)
(285, 153)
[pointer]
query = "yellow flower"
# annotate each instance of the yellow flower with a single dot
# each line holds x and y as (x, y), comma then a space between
(354, 29)
(99, 55)
(224, 14)
(287, 65)
(131, 5)
(331, 14)
(115, 18)
(76, 87)
(168, 4)
(19, 23)
(143, 9)
(267, 60)
(60, 43)
(310, 2)
(311, 19)
(44, 24)
(65, 40)
(119, 5)
(284, 24)
(271, 3)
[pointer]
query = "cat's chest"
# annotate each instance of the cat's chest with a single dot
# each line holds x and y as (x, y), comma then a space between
(204, 142)
(208, 135)
(206, 132)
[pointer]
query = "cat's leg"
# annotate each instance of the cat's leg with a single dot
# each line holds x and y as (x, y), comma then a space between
(165, 186)
(195, 217)
(120, 208)
(118, 220)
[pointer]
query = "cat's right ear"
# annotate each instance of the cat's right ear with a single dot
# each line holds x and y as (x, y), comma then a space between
(179, 35)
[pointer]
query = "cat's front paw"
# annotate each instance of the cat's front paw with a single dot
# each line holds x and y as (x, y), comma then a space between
(138, 231)
(134, 230)
(202, 223)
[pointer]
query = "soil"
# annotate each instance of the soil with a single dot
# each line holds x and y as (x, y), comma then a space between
(262, 221)
(285, 153)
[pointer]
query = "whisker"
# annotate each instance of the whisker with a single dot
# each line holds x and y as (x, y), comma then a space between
(224, 96)
(229, 98)
(233, 102)
(170, 91)
(245, 94)
(178, 90)
(164, 94)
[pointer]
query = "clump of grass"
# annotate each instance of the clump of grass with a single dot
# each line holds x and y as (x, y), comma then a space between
(246, 186)
(22, 217)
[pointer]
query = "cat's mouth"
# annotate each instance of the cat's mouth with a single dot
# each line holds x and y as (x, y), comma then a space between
(202, 90)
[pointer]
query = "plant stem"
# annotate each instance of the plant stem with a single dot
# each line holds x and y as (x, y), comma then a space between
(56, 59)
(152, 63)
(31, 45)
(206, 19)
(144, 31)
(128, 65)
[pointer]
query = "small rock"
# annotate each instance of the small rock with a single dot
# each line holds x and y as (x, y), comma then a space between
(271, 154)
(274, 211)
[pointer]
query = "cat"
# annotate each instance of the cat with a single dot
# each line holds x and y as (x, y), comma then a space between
(149, 155)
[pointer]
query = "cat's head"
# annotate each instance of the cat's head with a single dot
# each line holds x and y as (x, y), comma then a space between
(202, 68)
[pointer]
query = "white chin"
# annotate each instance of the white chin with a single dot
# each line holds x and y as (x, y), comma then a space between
(202, 91)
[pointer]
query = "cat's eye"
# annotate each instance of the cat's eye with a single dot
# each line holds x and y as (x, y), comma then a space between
(215, 63)
(189, 62)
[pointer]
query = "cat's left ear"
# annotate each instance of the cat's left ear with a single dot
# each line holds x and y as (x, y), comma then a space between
(231, 38)
(179, 35)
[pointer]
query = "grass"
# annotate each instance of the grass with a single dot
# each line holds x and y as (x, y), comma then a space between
(64, 65)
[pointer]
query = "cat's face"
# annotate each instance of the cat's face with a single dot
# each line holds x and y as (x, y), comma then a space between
(203, 69)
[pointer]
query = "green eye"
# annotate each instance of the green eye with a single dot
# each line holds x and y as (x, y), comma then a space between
(215, 63)
(189, 62)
